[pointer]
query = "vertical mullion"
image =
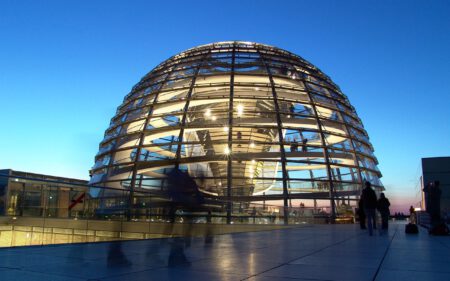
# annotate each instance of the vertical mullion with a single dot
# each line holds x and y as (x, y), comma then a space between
(280, 138)
(349, 137)
(186, 107)
(325, 152)
(141, 141)
(230, 139)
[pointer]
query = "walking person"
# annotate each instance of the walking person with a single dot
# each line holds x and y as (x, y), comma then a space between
(369, 199)
(383, 207)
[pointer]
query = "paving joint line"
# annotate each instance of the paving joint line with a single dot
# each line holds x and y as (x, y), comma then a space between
(291, 260)
(385, 254)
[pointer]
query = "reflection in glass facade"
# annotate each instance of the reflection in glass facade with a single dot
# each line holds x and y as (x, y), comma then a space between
(247, 121)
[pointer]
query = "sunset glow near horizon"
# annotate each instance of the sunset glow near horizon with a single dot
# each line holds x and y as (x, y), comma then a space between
(66, 66)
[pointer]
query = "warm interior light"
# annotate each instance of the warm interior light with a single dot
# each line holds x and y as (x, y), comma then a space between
(203, 136)
(240, 109)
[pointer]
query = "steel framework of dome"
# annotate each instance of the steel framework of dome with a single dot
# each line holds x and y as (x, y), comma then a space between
(247, 121)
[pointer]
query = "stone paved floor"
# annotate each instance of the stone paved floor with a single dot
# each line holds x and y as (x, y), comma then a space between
(318, 252)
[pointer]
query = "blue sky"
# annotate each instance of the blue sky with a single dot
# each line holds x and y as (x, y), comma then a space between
(66, 65)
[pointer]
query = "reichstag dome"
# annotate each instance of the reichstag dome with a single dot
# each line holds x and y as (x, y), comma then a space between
(246, 121)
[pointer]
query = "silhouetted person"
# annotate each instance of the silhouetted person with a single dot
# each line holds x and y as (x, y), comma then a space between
(183, 190)
(304, 147)
(294, 146)
(239, 137)
(208, 217)
(383, 207)
(433, 202)
(273, 216)
(369, 199)
(412, 215)
(361, 214)
(254, 214)
(184, 194)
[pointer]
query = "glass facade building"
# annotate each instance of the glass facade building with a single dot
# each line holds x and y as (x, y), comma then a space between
(24, 194)
(249, 122)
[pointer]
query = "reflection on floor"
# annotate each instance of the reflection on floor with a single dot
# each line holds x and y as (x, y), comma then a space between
(317, 252)
(28, 231)
(30, 235)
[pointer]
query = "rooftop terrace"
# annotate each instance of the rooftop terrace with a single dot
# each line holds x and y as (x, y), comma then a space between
(310, 252)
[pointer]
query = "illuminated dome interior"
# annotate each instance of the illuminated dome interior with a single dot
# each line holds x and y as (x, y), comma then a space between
(244, 120)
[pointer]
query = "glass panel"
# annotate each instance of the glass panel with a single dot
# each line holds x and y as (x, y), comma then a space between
(182, 73)
(253, 92)
(136, 126)
(367, 163)
(287, 82)
(163, 137)
(15, 198)
(124, 156)
(301, 186)
(213, 92)
(362, 148)
(32, 201)
(164, 121)
(274, 186)
(173, 95)
(178, 83)
(343, 174)
(102, 161)
(216, 66)
(293, 96)
(371, 177)
(247, 79)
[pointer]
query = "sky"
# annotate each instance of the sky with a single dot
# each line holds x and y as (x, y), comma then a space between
(65, 66)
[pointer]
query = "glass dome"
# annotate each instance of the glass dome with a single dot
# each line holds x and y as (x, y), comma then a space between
(245, 120)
